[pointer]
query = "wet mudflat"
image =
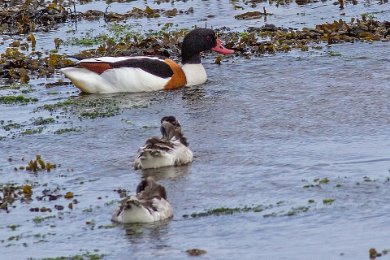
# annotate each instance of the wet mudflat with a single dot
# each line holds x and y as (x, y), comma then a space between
(291, 151)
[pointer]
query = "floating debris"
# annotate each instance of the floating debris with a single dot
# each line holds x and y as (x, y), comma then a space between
(373, 253)
(39, 165)
(249, 15)
(27, 191)
(58, 207)
(69, 195)
(12, 193)
(50, 194)
(252, 15)
(196, 252)
(317, 183)
(328, 201)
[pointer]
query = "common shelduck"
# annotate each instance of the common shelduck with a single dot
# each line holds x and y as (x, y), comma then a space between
(169, 150)
(150, 204)
(141, 74)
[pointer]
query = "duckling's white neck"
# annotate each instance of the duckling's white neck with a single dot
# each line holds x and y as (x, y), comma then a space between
(195, 74)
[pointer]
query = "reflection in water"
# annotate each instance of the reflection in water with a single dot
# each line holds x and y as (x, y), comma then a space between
(137, 233)
(193, 94)
(124, 100)
(167, 172)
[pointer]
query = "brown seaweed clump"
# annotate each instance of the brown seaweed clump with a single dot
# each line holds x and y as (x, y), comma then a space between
(29, 16)
(11, 193)
(271, 39)
(195, 252)
(18, 66)
(23, 17)
(135, 12)
(162, 44)
(39, 165)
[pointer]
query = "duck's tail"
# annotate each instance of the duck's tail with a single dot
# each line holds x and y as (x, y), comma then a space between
(88, 81)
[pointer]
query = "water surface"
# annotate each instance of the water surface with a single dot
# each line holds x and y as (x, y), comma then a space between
(262, 131)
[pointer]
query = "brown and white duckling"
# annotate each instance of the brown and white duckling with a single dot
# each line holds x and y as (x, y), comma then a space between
(169, 150)
(149, 205)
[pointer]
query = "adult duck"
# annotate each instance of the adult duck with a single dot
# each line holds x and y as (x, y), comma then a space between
(140, 74)
(169, 150)
(150, 204)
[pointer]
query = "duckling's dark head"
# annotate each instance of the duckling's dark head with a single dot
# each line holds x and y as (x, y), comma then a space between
(170, 127)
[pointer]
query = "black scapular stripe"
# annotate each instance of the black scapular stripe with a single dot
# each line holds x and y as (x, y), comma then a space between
(152, 66)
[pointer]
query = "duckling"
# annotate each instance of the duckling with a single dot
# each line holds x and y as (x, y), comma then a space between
(149, 205)
(169, 150)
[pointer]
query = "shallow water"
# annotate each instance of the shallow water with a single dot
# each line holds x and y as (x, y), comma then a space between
(262, 130)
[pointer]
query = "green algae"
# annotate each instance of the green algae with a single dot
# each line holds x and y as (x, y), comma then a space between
(297, 210)
(88, 40)
(227, 211)
(39, 219)
(84, 256)
(108, 226)
(257, 208)
(328, 201)
(56, 106)
(116, 33)
(66, 130)
(18, 99)
(323, 181)
(11, 126)
(43, 121)
(317, 183)
(32, 131)
(13, 227)
(85, 108)
(23, 88)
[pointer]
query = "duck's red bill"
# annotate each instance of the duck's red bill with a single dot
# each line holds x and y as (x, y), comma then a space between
(221, 49)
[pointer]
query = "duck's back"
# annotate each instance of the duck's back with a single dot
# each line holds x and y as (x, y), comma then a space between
(160, 156)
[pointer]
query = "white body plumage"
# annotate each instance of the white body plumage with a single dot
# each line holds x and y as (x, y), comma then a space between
(177, 155)
(125, 79)
(138, 213)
